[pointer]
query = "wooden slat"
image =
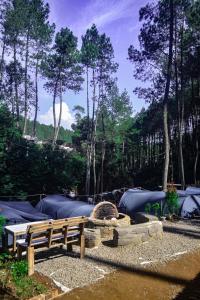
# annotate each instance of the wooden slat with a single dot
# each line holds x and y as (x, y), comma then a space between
(53, 234)
(38, 228)
(30, 258)
(65, 234)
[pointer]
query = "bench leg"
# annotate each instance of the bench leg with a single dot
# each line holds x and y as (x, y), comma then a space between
(69, 247)
(30, 258)
(82, 246)
(19, 252)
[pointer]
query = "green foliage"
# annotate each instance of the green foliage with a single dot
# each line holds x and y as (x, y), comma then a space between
(2, 223)
(156, 208)
(25, 287)
(90, 47)
(19, 269)
(147, 208)
(28, 287)
(5, 257)
(172, 201)
(45, 132)
(28, 168)
(127, 150)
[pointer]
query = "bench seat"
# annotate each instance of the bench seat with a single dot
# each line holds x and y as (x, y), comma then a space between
(50, 235)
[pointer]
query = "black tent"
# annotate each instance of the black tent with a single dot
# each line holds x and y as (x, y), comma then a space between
(20, 212)
(59, 207)
(134, 200)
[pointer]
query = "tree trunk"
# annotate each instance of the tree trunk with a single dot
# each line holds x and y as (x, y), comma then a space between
(180, 105)
(195, 132)
(60, 115)
(123, 150)
(88, 103)
(165, 102)
(196, 153)
(181, 119)
(54, 110)
(93, 133)
(103, 151)
(36, 99)
(166, 146)
(89, 143)
(16, 83)
(26, 85)
(88, 166)
(2, 63)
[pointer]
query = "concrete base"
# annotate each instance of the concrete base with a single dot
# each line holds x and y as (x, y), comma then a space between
(138, 233)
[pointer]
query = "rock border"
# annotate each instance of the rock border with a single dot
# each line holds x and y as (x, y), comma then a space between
(137, 233)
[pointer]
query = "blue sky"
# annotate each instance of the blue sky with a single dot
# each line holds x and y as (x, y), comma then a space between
(119, 19)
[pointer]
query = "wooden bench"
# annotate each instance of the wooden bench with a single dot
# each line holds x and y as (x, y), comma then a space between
(52, 234)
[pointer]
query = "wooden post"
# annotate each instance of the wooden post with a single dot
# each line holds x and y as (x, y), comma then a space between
(82, 246)
(19, 252)
(30, 258)
(82, 241)
(69, 247)
(6, 240)
(14, 243)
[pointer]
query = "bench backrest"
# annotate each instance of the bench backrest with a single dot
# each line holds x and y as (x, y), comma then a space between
(56, 231)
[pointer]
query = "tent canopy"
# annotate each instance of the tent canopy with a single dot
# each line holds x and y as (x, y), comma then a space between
(59, 207)
(20, 212)
(134, 201)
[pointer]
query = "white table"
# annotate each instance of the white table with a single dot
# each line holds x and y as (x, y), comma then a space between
(18, 230)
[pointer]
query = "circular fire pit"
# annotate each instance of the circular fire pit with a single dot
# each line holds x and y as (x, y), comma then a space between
(105, 217)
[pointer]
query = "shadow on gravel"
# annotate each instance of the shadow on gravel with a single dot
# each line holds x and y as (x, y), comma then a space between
(187, 232)
(139, 271)
(191, 290)
(55, 253)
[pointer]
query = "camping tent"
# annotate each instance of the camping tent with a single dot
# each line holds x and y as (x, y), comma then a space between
(134, 201)
(20, 212)
(59, 207)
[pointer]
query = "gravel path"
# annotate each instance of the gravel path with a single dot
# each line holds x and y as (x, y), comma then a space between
(71, 272)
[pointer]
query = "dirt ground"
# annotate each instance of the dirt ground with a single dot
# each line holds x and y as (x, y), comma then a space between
(178, 279)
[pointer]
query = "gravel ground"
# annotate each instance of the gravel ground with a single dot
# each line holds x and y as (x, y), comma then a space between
(71, 272)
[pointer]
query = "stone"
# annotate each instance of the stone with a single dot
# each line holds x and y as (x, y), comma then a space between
(141, 217)
(137, 233)
(92, 237)
(135, 240)
(106, 232)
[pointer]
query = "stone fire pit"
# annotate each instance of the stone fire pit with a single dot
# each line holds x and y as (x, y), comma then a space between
(105, 223)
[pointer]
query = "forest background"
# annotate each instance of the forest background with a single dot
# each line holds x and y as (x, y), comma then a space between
(108, 147)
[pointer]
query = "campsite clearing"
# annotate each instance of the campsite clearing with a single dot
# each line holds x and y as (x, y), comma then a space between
(178, 279)
(179, 238)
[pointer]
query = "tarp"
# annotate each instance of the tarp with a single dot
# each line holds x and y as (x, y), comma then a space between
(59, 207)
(20, 212)
(134, 201)
(11, 216)
(191, 190)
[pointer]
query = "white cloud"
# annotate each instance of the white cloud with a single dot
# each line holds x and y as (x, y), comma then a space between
(66, 119)
(103, 12)
(110, 11)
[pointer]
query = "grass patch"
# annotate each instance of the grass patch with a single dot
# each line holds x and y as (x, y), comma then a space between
(14, 279)
(28, 287)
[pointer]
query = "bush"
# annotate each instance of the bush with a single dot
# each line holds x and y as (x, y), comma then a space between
(25, 286)
(19, 269)
(2, 223)
(154, 208)
(172, 199)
